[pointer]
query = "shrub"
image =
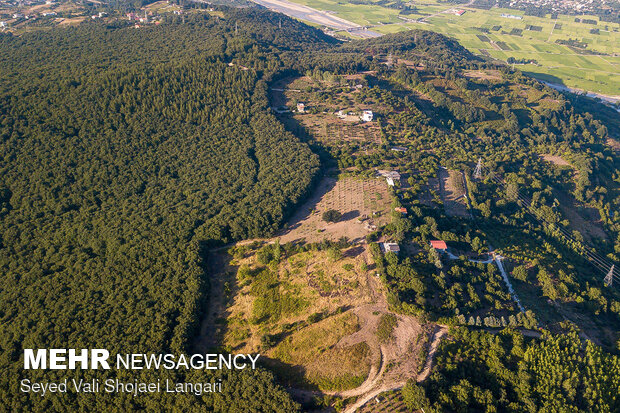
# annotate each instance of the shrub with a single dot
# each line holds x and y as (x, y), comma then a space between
(332, 216)
(385, 330)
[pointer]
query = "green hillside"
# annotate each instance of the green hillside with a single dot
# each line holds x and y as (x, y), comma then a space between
(128, 155)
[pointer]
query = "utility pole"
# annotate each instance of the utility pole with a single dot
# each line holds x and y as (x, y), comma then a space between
(609, 278)
(236, 28)
(478, 171)
(280, 24)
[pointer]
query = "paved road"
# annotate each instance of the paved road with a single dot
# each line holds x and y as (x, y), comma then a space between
(323, 18)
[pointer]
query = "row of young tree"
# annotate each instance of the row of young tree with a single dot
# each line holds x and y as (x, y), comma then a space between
(508, 372)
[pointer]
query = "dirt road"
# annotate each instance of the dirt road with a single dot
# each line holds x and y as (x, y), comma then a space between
(440, 331)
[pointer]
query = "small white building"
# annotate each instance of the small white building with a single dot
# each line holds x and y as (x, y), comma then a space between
(301, 107)
(367, 116)
(3, 24)
(390, 247)
(390, 176)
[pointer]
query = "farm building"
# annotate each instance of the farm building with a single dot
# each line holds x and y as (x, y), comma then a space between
(367, 116)
(390, 176)
(301, 107)
(512, 16)
(402, 210)
(398, 149)
(439, 245)
(458, 12)
(390, 247)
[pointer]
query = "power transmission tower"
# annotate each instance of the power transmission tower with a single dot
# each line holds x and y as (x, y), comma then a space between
(609, 278)
(280, 24)
(236, 28)
(478, 171)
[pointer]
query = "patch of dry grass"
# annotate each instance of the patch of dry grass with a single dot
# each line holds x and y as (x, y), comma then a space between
(267, 300)
(325, 365)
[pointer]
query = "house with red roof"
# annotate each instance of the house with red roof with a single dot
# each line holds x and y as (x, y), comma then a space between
(439, 245)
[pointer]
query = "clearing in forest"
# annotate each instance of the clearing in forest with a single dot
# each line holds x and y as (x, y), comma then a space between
(555, 159)
(452, 190)
(363, 203)
(314, 315)
(324, 100)
(586, 220)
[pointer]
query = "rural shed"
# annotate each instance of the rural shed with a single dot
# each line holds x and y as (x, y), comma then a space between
(439, 245)
(367, 116)
(390, 247)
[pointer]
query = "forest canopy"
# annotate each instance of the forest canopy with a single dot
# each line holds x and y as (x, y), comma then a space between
(124, 154)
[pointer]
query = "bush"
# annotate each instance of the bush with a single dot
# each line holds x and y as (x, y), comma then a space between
(387, 323)
(414, 396)
(332, 216)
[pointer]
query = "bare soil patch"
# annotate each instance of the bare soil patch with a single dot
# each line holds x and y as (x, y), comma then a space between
(452, 190)
(615, 145)
(72, 21)
(485, 75)
(363, 203)
(555, 159)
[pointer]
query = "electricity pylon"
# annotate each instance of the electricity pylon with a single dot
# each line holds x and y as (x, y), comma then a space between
(609, 278)
(478, 171)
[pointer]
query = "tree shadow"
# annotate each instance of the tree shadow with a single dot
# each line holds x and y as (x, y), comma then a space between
(350, 215)
(353, 252)
(219, 288)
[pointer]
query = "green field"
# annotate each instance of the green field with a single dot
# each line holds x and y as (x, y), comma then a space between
(581, 69)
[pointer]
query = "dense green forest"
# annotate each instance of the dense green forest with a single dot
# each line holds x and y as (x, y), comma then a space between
(125, 154)
(508, 372)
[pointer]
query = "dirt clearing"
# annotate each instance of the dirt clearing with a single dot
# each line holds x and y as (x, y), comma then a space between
(363, 203)
(555, 159)
(452, 190)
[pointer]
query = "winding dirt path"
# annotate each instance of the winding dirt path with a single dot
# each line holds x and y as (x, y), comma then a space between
(440, 331)
(389, 385)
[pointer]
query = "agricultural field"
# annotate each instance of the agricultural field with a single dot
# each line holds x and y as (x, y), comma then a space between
(595, 68)
(363, 204)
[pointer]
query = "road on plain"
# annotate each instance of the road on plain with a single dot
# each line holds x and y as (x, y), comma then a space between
(323, 18)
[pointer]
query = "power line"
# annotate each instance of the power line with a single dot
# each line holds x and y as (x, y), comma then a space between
(592, 256)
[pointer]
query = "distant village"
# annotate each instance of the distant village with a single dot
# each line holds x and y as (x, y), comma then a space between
(562, 6)
(20, 16)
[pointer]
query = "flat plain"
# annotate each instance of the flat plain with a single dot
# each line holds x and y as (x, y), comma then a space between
(595, 68)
